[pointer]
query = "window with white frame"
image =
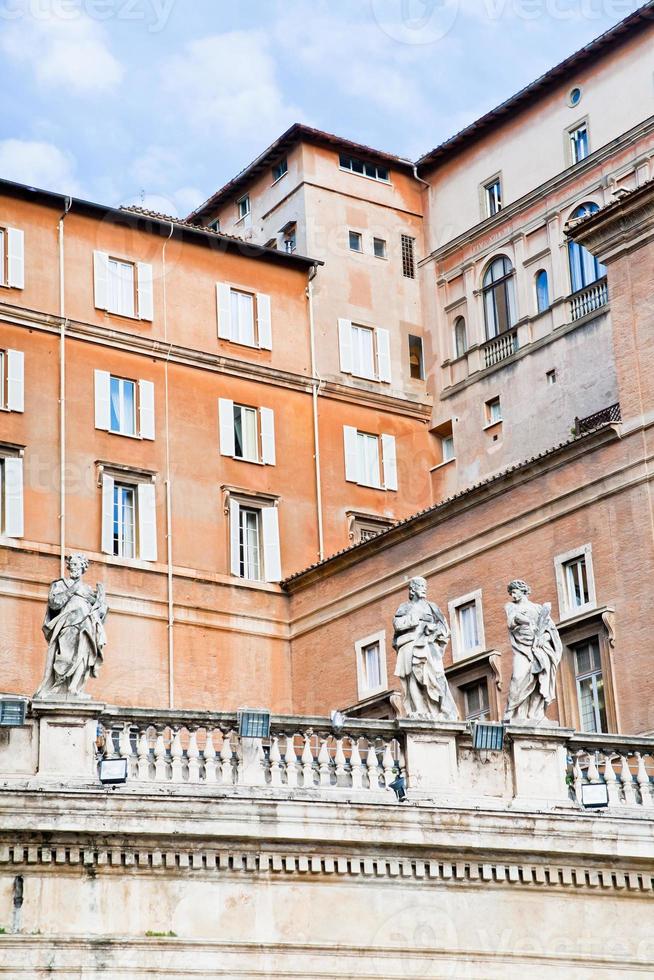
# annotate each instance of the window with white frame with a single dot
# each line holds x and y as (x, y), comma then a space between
(243, 316)
(243, 206)
(579, 143)
(371, 665)
(493, 196)
(460, 336)
(363, 168)
(122, 287)
(447, 448)
(246, 432)
(493, 411)
(365, 352)
(467, 621)
(370, 460)
(123, 406)
(355, 240)
(590, 686)
(279, 170)
(129, 520)
(254, 539)
(12, 385)
(498, 288)
(575, 581)
(379, 248)
(12, 258)
(475, 700)
(11, 492)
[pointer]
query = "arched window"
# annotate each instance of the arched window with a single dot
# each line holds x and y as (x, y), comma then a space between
(499, 297)
(460, 336)
(542, 291)
(584, 267)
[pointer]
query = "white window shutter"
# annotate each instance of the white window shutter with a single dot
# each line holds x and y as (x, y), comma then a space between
(345, 345)
(389, 462)
(144, 289)
(383, 355)
(224, 305)
(271, 553)
(13, 466)
(146, 409)
(147, 515)
(15, 258)
(15, 380)
(107, 514)
(264, 326)
(101, 279)
(102, 396)
(226, 423)
(267, 436)
(351, 454)
(234, 538)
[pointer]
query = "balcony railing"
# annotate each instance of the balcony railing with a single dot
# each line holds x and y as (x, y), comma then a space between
(609, 414)
(587, 300)
(624, 764)
(500, 347)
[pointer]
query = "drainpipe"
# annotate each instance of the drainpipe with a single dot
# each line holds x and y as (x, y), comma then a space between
(62, 391)
(168, 487)
(314, 398)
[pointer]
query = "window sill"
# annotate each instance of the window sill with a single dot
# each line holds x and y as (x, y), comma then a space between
(242, 459)
(125, 435)
(439, 466)
(570, 617)
(281, 177)
(240, 343)
(493, 425)
(242, 218)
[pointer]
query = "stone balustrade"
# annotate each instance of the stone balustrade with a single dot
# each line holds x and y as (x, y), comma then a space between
(623, 764)
(589, 299)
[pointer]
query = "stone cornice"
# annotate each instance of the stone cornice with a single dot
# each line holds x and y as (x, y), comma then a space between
(620, 228)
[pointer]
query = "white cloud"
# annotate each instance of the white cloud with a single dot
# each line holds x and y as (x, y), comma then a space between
(69, 53)
(39, 164)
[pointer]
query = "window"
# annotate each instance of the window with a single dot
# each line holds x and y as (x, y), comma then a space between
(493, 196)
(493, 411)
(499, 297)
(575, 581)
(585, 269)
(590, 686)
(356, 241)
(542, 291)
(12, 386)
(12, 258)
(243, 206)
(363, 527)
(254, 534)
(244, 317)
(579, 143)
(475, 701)
(460, 336)
(124, 407)
(574, 97)
(370, 460)
(447, 448)
(365, 352)
(214, 224)
(122, 287)
(467, 625)
(364, 169)
(379, 247)
(408, 257)
(280, 169)
(371, 664)
(246, 433)
(290, 237)
(550, 377)
(11, 493)
(416, 359)
(129, 528)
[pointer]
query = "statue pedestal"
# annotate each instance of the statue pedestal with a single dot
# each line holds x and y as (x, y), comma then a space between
(539, 766)
(431, 755)
(67, 733)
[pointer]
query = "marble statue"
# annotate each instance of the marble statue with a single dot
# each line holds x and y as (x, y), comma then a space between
(537, 652)
(74, 629)
(421, 635)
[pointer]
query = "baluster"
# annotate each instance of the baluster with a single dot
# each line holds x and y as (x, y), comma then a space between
(109, 744)
(372, 765)
(339, 760)
(193, 757)
(578, 777)
(611, 779)
(143, 752)
(176, 755)
(209, 759)
(388, 763)
(593, 771)
(646, 795)
(355, 765)
(627, 782)
(324, 764)
(125, 749)
(293, 767)
(307, 763)
(226, 769)
(160, 761)
(275, 763)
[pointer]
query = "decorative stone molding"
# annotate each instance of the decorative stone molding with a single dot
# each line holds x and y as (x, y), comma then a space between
(620, 227)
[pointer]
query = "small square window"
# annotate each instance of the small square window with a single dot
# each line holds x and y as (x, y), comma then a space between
(244, 206)
(379, 247)
(416, 359)
(364, 528)
(290, 238)
(214, 224)
(280, 169)
(493, 193)
(447, 448)
(493, 411)
(550, 377)
(356, 241)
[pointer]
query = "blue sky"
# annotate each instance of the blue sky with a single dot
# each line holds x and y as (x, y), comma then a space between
(163, 101)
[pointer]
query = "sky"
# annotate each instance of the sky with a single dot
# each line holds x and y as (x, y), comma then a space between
(160, 102)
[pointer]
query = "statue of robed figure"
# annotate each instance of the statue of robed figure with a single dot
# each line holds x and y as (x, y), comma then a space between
(537, 650)
(74, 630)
